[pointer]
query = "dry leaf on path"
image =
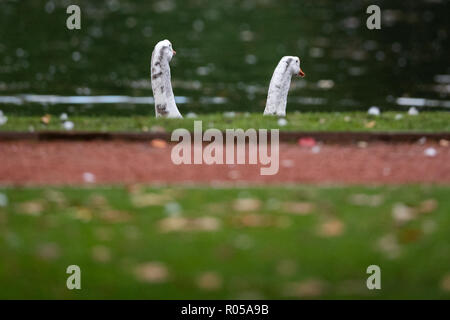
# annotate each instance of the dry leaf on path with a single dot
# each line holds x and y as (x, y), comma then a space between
(159, 144)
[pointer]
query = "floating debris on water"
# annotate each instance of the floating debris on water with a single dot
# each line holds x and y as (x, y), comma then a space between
(112, 99)
(422, 102)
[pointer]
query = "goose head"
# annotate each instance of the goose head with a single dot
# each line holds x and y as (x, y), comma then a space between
(293, 66)
(165, 105)
(288, 67)
(165, 49)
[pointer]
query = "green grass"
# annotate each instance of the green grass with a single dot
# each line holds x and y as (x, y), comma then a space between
(320, 121)
(266, 252)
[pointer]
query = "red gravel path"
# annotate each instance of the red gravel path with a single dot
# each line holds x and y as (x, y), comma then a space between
(25, 162)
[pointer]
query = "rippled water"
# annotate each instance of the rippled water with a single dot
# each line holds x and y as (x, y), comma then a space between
(227, 51)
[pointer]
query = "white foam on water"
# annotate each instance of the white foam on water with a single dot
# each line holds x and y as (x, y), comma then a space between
(422, 102)
(55, 99)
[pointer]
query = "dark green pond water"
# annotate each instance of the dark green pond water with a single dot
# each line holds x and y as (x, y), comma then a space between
(227, 51)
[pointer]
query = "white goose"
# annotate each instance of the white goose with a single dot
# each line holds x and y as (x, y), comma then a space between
(165, 105)
(280, 84)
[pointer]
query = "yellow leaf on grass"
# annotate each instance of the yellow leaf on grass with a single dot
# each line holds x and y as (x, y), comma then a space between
(209, 281)
(306, 289)
(46, 119)
(152, 272)
(300, 208)
(246, 204)
(370, 124)
(331, 228)
(172, 224)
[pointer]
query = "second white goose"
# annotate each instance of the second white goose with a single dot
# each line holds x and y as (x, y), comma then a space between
(280, 84)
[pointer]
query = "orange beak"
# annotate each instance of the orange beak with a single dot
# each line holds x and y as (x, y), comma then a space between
(301, 73)
(174, 52)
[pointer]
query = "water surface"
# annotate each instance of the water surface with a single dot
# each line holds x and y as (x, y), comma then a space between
(227, 51)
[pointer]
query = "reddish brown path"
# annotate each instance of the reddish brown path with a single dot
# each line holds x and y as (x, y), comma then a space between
(28, 162)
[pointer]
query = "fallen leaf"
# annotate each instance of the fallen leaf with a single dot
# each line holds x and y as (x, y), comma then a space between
(286, 268)
(331, 228)
(370, 124)
(299, 208)
(307, 142)
(46, 119)
(251, 220)
(429, 226)
(159, 143)
(243, 242)
(309, 288)
(362, 144)
(366, 200)
(388, 244)
(103, 234)
(158, 129)
(135, 188)
(209, 281)
(83, 214)
(101, 254)
(246, 204)
(152, 272)
(428, 206)
(402, 213)
(141, 200)
(445, 283)
(98, 201)
(254, 220)
(444, 143)
(353, 287)
(56, 197)
(410, 235)
(114, 216)
(48, 251)
(173, 224)
(31, 208)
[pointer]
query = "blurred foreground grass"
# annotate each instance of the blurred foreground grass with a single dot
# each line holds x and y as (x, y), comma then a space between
(314, 121)
(179, 242)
